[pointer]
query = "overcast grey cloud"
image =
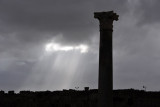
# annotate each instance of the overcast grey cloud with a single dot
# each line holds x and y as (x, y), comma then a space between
(27, 26)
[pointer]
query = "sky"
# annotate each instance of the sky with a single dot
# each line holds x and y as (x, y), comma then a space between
(54, 44)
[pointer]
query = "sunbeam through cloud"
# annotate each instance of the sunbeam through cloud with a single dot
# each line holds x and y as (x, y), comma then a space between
(51, 47)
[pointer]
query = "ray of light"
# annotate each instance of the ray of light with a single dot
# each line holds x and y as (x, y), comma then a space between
(55, 70)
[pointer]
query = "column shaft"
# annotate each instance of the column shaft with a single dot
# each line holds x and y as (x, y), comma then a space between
(105, 69)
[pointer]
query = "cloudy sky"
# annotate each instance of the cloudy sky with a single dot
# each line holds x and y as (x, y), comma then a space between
(53, 44)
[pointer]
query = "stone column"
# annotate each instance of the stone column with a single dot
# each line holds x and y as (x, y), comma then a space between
(105, 83)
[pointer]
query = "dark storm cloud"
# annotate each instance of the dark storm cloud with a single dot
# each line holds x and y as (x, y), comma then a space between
(148, 11)
(73, 18)
(42, 16)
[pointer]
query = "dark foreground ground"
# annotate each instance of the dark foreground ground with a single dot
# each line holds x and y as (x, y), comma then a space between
(77, 98)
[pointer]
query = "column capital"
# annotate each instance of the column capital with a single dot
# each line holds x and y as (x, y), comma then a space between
(106, 19)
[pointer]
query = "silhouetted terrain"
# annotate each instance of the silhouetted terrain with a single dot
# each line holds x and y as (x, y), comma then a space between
(78, 98)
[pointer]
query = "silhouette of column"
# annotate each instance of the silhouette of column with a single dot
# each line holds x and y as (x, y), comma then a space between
(105, 85)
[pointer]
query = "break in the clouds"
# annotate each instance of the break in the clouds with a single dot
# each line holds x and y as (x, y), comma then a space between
(30, 60)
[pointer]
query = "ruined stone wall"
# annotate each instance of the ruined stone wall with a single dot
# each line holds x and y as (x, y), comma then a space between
(73, 98)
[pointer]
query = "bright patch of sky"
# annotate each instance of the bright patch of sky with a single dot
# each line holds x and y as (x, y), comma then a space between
(52, 47)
